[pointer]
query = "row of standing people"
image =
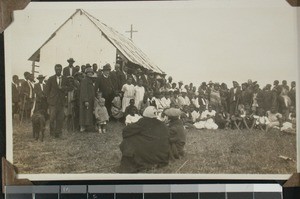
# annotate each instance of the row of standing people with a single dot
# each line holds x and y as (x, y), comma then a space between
(118, 87)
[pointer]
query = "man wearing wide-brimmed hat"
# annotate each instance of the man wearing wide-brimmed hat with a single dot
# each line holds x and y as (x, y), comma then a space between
(105, 85)
(69, 70)
(41, 100)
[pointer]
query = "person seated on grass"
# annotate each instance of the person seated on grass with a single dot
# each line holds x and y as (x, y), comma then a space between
(132, 117)
(236, 120)
(223, 119)
(187, 100)
(275, 119)
(186, 117)
(158, 101)
(248, 119)
(195, 101)
(181, 100)
(261, 120)
(145, 144)
(151, 98)
(195, 114)
(116, 106)
(200, 121)
(177, 133)
(131, 106)
(290, 125)
(165, 100)
(174, 99)
(145, 103)
(207, 119)
(210, 118)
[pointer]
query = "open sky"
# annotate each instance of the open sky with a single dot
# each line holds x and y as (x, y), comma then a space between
(192, 41)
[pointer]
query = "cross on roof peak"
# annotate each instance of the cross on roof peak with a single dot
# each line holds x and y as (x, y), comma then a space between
(131, 31)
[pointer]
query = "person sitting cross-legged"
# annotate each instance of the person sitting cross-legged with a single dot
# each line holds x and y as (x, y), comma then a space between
(223, 119)
(275, 119)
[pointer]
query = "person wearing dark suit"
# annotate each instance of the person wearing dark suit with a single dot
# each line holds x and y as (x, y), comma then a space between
(115, 77)
(70, 69)
(56, 90)
(40, 97)
(234, 97)
(15, 95)
(105, 86)
(27, 96)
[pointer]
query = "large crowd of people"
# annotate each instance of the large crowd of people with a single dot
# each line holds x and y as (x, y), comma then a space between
(87, 98)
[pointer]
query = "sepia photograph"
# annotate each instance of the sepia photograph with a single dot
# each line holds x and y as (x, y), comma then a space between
(135, 90)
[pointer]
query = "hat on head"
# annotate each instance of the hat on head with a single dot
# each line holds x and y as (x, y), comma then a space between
(89, 70)
(210, 82)
(149, 112)
(235, 82)
(41, 77)
(173, 112)
(71, 60)
(180, 82)
(106, 67)
(26, 73)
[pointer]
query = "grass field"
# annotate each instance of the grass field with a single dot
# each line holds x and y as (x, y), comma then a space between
(207, 151)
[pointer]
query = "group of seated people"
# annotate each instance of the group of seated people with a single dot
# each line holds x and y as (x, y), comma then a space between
(206, 117)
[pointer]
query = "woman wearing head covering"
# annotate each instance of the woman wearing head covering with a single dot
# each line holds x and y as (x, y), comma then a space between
(86, 100)
(177, 133)
(145, 144)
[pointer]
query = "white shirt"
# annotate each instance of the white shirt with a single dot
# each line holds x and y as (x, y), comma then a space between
(132, 119)
(42, 86)
(58, 78)
(195, 115)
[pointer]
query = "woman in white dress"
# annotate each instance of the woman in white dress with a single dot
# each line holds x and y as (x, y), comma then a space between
(128, 93)
(139, 92)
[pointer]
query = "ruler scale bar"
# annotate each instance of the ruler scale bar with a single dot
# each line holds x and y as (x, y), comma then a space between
(147, 191)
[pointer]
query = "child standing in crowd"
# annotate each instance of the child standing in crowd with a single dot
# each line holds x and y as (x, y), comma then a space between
(139, 92)
(101, 113)
(116, 106)
(128, 90)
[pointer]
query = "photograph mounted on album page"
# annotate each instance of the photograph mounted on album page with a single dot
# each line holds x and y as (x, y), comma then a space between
(152, 90)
